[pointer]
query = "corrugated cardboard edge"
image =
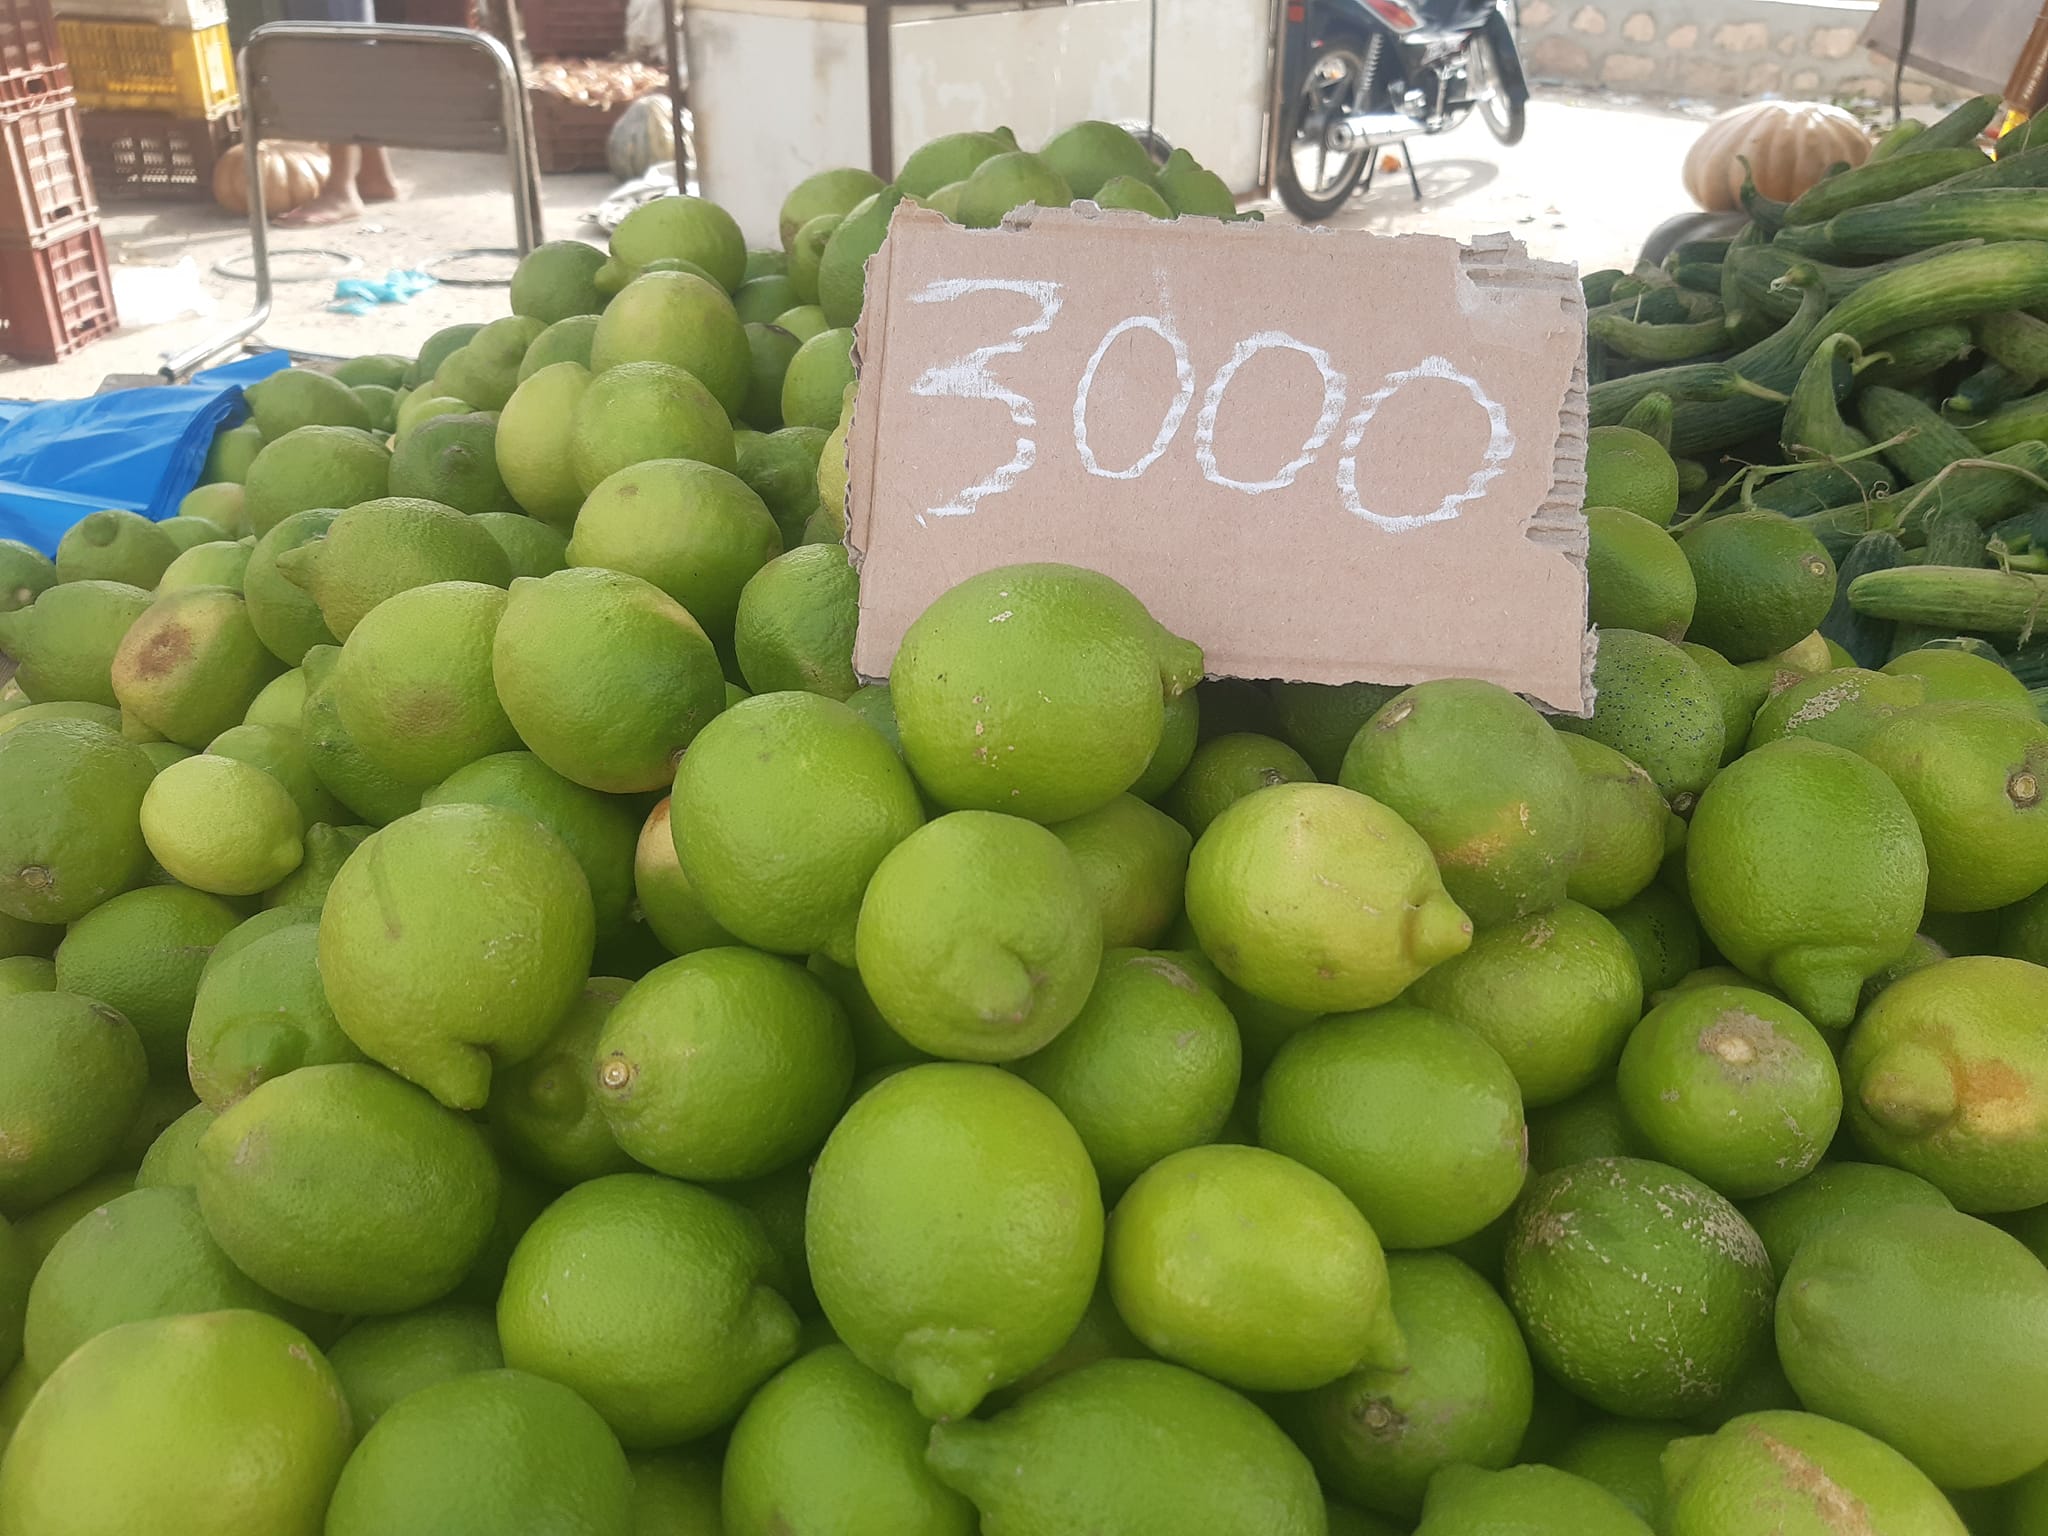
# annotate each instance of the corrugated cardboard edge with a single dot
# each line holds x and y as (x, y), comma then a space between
(1496, 261)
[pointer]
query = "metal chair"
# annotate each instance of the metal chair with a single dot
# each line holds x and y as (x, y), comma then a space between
(444, 88)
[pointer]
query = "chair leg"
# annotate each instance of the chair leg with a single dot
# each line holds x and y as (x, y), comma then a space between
(1409, 160)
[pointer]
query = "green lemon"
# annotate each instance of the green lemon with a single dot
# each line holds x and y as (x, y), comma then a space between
(1660, 928)
(1416, 1118)
(1630, 469)
(694, 530)
(599, 830)
(414, 686)
(781, 468)
(1149, 1067)
(172, 1160)
(669, 904)
(640, 413)
(1654, 705)
(605, 677)
(314, 467)
(71, 795)
(484, 370)
(1733, 1086)
(1928, 1329)
(1485, 781)
(651, 1299)
(1807, 871)
(1638, 1287)
(1798, 1474)
(382, 1359)
(1038, 690)
(1178, 738)
(1945, 1074)
(1764, 582)
(1976, 777)
(347, 1189)
(27, 973)
(535, 430)
(1842, 706)
(260, 1012)
(1224, 769)
(1135, 859)
(1522, 1501)
(978, 936)
(544, 1112)
(1249, 1267)
(1316, 897)
(71, 1080)
(784, 807)
(141, 954)
(675, 1493)
(1788, 1218)
(483, 1452)
(795, 623)
(532, 547)
(218, 563)
(681, 320)
(949, 158)
(24, 938)
(555, 280)
(456, 938)
(24, 572)
(1320, 720)
(256, 1443)
(115, 546)
(283, 614)
(1624, 1457)
(223, 826)
(51, 1220)
(147, 1254)
(818, 374)
(67, 639)
(18, 1270)
(1622, 822)
(1555, 994)
(281, 752)
(1959, 677)
(876, 1045)
(1130, 1445)
(954, 1232)
(1463, 1397)
(725, 1064)
(829, 1448)
(378, 549)
(1636, 575)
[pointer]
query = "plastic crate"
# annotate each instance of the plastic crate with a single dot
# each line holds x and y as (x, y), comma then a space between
(571, 135)
(131, 66)
(28, 40)
(573, 29)
(153, 154)
(187, 15)
(56, 293)
(43, 166)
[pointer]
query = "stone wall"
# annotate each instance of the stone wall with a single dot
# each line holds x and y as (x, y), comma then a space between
(1716, 50)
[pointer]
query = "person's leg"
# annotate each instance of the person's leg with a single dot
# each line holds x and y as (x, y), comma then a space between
(374, 183)
(337, 201)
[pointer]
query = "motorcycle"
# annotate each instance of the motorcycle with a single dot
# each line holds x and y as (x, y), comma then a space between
(1367, 73)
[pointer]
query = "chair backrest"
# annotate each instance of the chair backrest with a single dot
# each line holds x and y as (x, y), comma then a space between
(409, 87)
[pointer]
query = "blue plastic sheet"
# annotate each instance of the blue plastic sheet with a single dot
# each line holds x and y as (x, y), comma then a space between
(139, 450)
(362, 296)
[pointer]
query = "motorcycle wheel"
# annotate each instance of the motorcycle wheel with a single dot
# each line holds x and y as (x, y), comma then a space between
(1506, 116)
(1314, 181)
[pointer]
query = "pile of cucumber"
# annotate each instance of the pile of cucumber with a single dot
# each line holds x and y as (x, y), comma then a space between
(1872, 360)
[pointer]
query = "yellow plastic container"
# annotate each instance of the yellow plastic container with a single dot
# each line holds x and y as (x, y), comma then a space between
(132, 66)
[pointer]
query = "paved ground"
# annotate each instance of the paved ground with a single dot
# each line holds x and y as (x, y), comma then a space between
(1587, 183)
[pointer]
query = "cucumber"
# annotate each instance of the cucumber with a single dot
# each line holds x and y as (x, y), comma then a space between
(2016, 339)
(1982, 602)
(1958, 286)
(1912, 357)
(1897, 137)
(2025, 170)
(1893, 229)
(1954, 538)
(1983, 492)
(1813, 426)
(1651, 416)
(1699, 276)
(1598, 287)
(1965, 124)
(1675, 343)
(1769, 370)
(1822, 487)
(1867, 640)
(1765, 212)
(1758, 265)
(1881, 182)
(1984, 391)
(2030, 664)
(1929, 443)
(2022, 421)
(1712, 252)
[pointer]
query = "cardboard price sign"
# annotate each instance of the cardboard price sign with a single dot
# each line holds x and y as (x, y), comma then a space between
(1327, 457)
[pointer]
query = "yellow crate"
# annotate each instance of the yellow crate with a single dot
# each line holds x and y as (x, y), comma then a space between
(132, 66)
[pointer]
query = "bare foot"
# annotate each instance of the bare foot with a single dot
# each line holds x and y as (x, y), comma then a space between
(378, 189)
(328, 208)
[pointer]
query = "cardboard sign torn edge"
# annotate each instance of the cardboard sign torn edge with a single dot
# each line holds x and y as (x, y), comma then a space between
(1487, 265)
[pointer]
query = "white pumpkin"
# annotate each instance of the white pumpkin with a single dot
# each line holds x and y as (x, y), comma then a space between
(1788, 144)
